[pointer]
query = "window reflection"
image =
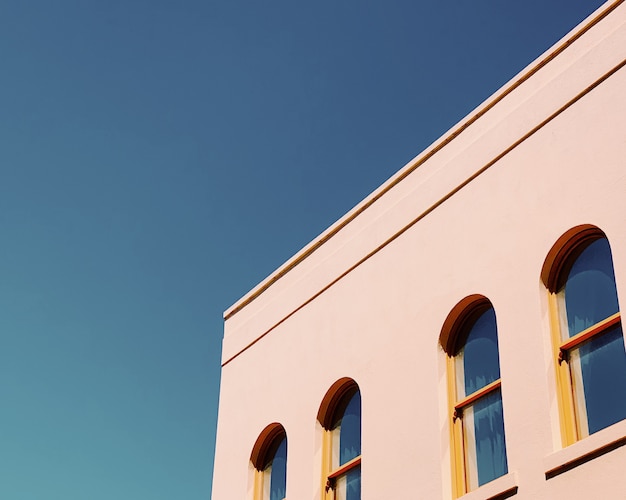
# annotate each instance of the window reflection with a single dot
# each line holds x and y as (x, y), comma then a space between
(479, 355)
(484, 426)
(349, 486)
(350, 430)
(278, 473)
(590, 293)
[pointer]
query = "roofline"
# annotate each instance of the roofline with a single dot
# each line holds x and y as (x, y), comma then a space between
(421, 158)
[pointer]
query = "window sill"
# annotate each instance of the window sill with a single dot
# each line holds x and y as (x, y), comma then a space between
(586, 449)
(498, 489)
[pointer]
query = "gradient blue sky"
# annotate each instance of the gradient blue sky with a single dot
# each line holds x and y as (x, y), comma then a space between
(157, 160)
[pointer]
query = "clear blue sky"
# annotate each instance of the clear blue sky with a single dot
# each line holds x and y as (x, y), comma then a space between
(160, 158)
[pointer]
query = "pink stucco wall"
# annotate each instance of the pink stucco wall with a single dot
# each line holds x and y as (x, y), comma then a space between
(475, 213)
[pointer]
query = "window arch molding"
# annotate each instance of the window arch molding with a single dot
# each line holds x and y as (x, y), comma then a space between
(565, 252)
(265, 444)
(333, 399)
(271, 443)
(455, 326)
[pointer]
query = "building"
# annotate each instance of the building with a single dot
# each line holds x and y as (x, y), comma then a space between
(457, 334)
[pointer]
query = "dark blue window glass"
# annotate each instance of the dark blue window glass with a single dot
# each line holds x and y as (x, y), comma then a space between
(489, 437)
(353, 484)
(590, 294)
(278, 476)
(603, 367)
(481, 364)
(350, 430)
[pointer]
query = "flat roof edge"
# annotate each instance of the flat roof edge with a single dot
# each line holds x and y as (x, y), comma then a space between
(456, 130)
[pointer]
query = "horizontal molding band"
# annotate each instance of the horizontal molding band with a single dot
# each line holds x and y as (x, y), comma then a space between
(438, 203)
(598, 452)
(428, 154)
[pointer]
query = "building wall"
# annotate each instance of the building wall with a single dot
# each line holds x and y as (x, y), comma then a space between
(475, 213)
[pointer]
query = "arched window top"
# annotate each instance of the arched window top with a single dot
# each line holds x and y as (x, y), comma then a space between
(335, 401)
(266, 444)
(565, 252)
(269, 458)
(460, 320)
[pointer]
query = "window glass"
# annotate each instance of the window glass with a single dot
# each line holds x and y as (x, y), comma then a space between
(486, 450)
(479, 355)
(349, 485)
(590, 294)
(350, 433)
(599, 376)
(278, 472)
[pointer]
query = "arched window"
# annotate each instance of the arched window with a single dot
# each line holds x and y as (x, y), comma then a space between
(340, 416)
(470, 339)
(587, 333)
(269, 458)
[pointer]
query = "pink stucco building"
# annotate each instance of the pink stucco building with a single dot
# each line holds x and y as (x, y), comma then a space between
(456, 334)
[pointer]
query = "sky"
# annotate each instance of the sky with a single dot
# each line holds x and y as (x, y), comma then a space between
(160, 158)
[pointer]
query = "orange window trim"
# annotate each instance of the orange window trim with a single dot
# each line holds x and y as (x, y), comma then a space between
(340, 472)
(591, 332)
(475, 396)
(345, 468)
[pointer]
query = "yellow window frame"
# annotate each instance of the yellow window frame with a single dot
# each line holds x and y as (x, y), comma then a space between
(340, 390)
(458, 455)
(562, 254)
(455, 324)
(570, 420)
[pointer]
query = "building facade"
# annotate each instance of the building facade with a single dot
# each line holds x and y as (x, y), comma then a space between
(458, 333)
